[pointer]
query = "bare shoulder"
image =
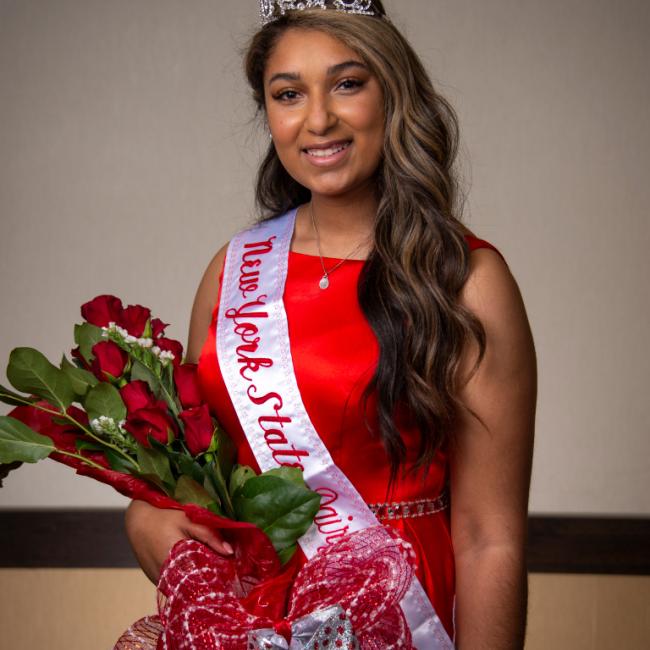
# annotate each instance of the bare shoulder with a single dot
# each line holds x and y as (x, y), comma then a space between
(204, 302)
(493, 295)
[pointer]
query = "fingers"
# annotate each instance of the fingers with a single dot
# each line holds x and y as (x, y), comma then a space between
(210, 539)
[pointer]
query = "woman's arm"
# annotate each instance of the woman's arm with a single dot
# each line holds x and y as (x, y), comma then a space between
(491, 464)
(153, 531)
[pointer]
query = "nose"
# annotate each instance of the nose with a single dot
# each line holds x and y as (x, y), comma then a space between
(321, 116)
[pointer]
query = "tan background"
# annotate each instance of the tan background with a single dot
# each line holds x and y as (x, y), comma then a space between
(82, 609)
(126, 160)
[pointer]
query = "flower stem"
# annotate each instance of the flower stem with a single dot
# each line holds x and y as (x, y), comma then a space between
(80, 457)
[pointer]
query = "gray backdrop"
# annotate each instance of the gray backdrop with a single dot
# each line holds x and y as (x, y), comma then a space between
(127, 157)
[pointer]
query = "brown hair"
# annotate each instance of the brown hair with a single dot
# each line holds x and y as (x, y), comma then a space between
(410, 283)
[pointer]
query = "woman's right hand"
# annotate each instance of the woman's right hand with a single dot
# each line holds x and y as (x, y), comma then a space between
(153, 532)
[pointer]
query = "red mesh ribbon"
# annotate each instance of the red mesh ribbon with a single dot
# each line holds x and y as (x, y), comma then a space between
(367, 573)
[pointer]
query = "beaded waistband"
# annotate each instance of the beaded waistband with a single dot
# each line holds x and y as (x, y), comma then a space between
(415, 508)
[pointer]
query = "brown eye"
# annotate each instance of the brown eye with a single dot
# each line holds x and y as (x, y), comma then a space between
(285, 95)
(350, 84)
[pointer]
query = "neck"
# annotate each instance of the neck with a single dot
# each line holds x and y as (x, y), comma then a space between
(343, 223)
(349, 218)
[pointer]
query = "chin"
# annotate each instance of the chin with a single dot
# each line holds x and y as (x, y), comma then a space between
(334, 188)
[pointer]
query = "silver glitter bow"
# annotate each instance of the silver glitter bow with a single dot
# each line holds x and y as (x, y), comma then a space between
(320, 629)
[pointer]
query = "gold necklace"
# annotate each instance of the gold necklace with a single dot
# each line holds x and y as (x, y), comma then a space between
(324, 282)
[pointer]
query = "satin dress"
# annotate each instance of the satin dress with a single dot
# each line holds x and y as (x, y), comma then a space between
(334, 353)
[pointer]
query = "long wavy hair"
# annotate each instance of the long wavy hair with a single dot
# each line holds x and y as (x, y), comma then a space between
(410, 284)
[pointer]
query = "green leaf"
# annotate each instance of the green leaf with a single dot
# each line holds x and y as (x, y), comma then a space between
(167, 381)
(287, 553)
(141, 372)
(239, 475)
(152, 478)
(15, 399)
(213, 473)
(209, 488)
(282, 509)
(20, 443)
(85, 336)
(213, 507)
(104, 399)
(148, 332)
(224, 449)
(189, 491)
(81, 380)
(118, 462)
(155, 462)
(292, 474)
(187, 465)
(30, 372)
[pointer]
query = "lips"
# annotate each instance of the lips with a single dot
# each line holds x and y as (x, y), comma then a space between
(328, 149)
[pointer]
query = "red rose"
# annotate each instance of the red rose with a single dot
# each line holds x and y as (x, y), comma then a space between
(137, 395)
(187, 385)
(134, 319)
(110, 360)
(152, 422)
(198, 428)
(157, 327)
(170, 345)
(102, 310)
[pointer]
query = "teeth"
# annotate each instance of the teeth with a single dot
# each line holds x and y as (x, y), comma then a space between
(323, 153)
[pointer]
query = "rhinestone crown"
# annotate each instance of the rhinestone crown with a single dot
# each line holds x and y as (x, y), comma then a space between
(272, 9)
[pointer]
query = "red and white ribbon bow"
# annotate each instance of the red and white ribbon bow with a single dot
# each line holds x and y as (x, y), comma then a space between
(356, 583)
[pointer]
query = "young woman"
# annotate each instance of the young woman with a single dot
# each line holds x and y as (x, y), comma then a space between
(408, 335)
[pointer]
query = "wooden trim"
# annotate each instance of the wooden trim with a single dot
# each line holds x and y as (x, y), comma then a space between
(96, 538)
(605, 545)
(64, 539)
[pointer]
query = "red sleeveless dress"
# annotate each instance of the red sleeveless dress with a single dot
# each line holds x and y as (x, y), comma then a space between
(334, 353)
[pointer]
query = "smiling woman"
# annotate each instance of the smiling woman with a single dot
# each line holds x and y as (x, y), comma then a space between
(361, 333)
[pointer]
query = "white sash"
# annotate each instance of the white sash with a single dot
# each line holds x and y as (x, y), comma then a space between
(255, 360)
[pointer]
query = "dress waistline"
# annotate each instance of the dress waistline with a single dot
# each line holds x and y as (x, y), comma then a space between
(407, 509)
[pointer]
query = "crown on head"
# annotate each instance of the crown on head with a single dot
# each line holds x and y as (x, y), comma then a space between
(272, 9)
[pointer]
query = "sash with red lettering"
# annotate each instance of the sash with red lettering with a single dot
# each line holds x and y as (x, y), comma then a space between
(255, 360)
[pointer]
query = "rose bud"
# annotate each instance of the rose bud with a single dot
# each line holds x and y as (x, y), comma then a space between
(198, 428)
(152, 422)
(109, 362)
(137, 395)
(187, 385)
(102, 310)
(76, 354)
(134, 319)
(170, 345)
(157, 327)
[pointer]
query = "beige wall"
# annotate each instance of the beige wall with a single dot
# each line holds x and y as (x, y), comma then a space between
(126, 159)
(83, 608)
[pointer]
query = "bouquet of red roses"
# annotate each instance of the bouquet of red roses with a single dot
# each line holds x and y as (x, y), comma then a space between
(128, 412)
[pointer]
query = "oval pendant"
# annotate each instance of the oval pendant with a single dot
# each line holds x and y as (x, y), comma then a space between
(324, 282)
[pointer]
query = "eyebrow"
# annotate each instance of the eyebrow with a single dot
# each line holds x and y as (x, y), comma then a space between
(332, 70)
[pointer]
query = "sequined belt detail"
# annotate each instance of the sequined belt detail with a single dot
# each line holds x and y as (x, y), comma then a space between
(415, 508)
